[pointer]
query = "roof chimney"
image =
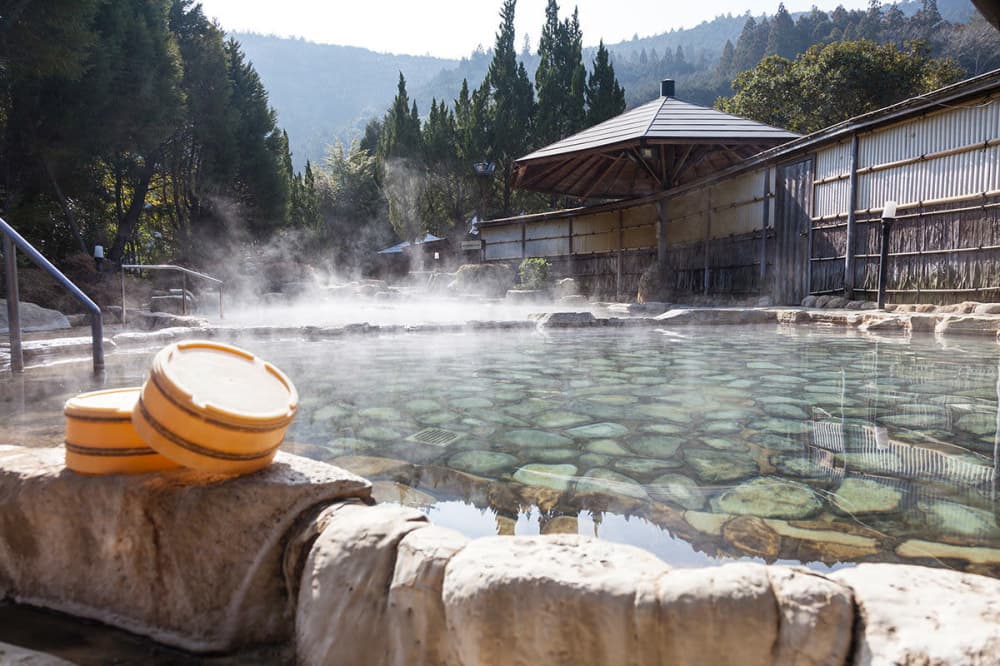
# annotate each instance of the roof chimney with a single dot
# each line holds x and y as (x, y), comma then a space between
(667, 88)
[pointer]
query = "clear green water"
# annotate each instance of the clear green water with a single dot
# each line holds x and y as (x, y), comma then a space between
(701, 446)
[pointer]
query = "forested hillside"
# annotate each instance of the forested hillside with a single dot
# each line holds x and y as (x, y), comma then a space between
(328, 93)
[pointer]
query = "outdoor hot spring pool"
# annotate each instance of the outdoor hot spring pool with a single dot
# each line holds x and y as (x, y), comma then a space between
(701, 446)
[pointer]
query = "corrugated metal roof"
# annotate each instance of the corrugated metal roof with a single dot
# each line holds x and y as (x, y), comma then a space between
(655, 146)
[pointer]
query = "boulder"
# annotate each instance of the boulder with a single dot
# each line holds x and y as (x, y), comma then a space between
(416, 621)
(489, 280)
(918, 615)
(191, 560)
(566, 319)
(578, 602)
(342, 611)
(987, 308)
(965, 325)
(34, 318)
(836, 302)
(809, 302)
(565, 287)
(153, 321)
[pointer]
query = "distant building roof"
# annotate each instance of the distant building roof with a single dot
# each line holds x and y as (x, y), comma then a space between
(651, 148)
(400, 247)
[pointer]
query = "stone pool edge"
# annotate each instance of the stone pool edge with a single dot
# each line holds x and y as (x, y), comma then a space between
(176, 557)
(874, 323)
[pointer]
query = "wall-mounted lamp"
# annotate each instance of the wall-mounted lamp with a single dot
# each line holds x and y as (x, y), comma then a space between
(888, 217)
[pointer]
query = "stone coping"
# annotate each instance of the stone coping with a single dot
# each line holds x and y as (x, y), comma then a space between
(874, 323)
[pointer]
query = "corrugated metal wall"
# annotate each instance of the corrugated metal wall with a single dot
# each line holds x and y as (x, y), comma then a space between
(942, 168)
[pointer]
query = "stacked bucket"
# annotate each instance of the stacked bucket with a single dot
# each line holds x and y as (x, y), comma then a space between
(206, 406)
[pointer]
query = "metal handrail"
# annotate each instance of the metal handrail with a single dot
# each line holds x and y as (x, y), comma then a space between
(12, 239)
(184, 273)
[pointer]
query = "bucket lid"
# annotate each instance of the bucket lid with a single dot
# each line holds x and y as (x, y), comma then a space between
(110, 404)
(225, 382)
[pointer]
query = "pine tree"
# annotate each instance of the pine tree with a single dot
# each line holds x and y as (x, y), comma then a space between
(511, 103)
(605, 98)
(560, 78)
(401, 136)
(781, 39)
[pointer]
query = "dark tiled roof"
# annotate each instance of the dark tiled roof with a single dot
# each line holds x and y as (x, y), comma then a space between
(681, 141)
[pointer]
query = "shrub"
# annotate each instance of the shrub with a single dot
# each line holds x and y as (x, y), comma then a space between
(534, 273)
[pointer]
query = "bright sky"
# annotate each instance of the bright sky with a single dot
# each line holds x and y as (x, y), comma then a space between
(454, 28)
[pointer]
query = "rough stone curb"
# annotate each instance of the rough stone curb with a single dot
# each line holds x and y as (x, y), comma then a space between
(569, 599)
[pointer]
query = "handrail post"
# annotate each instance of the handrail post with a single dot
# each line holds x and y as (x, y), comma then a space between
(13, 306)
(123, 298)
(184, 297)
(14, 238)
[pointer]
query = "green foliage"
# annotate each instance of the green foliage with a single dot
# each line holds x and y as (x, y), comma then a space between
(134, 124)
(605, 98)
(827, 85)
(510, 105)
(533, 273)
(559, 78)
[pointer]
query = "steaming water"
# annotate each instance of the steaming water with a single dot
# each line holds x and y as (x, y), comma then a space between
(702, 446)
(413, 310)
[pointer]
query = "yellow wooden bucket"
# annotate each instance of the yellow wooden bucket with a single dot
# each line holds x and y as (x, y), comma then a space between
(100, 438)
(214, 408)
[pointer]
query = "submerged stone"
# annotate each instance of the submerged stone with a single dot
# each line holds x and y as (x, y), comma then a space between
(725, 443)
(719, 466)
(380, 433)
(536, 439)
(721, 428)
(866, 496)
(588, 460)
(958, 519)
(612, 399)
(664, 429)
(560, 419)
(655, 446)
(330, 413)
(553, 455)
(784, 410)
(645, 466)
(598, 431)
(437, 418)
(770, 497)
(470, 403)
(557, 477)
(483, 463)
(611, 483)
(380, 414)
(607, 447)
(677, 489)
(421, 406)
(669, 412)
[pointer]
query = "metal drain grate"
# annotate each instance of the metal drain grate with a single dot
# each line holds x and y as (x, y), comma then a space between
(434, 437)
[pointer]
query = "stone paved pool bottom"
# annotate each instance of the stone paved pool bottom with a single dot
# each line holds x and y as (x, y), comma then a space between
(701, 445)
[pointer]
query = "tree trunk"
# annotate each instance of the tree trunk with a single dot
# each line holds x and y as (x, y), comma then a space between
(130, 220)
(66, 208)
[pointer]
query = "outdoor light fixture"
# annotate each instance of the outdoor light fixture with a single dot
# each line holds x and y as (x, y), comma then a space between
(647, 153)
(888, 216)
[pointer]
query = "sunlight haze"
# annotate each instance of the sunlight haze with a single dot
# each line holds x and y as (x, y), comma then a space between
(454, 28)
